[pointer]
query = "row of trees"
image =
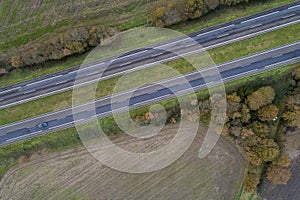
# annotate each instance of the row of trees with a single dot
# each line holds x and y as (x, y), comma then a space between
(76, 40)
(181, 10)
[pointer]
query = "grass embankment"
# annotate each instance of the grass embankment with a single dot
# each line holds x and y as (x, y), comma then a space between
(63, 139)
(219, 55)
(215, 17)
(26, 22)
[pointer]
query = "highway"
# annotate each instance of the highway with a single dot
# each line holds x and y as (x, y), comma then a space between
(209, 38)
(233, 70)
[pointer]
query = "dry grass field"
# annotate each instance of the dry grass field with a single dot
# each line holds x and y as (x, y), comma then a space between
(24, 21)
(75, 174)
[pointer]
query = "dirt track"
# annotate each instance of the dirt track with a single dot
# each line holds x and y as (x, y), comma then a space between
(75, 174)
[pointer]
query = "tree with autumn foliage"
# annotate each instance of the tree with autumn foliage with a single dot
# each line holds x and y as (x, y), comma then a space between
(283, 160)
(194, 8)
(268, 113)
(261, 97)
(278, 175)
(252, 178)
(267, 149)
(260, 129)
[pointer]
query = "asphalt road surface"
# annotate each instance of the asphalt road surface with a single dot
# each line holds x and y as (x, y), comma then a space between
(150, 94)
(145, 57)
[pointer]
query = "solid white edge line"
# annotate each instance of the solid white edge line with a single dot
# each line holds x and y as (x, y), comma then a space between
(259, 17)
(293, 7)
(23, 136)
(5, 91)
(215, 30)
(43, 80)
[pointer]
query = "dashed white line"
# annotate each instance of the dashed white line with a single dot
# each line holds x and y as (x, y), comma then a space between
(133, 54)
(155, 55)
(92, 73)
(189, 45)
(287, 16)
(61, 125)
(257, 25)
(30, 91)
(85, 68)
(277, 56)
(226, 34)
(124, 64)
(150, 100)
(61, 82)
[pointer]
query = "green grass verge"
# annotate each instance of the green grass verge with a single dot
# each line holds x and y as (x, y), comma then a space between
(213, 18)
(219, 55)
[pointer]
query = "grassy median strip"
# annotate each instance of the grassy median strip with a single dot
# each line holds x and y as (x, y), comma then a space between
(219, 55)
(218, 16)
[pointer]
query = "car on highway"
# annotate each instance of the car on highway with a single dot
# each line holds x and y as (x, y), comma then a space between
(43, 125)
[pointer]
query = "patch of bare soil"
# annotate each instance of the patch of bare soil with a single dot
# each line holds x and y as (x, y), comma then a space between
(75, 174)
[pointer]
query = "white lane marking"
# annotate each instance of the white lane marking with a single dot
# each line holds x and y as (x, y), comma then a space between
(73, 72)
(287, 16)
(285, 61)
(226, 34)
(155, 55)
(5, 91)
(216, 30)
(85, 68)
(246, 65)
(159, 47)
(61, 125)
(189, 45)
(293, 7)
(248, 72)
(150, 100)
(23, 136)
(127, 63)
(61, 82)
(249, 20)
(257, 25)
(44, 80)
(30, 91)
(132, 54)
(277, 56)
(92, 73)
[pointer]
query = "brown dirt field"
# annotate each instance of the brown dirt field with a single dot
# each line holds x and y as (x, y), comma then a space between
(75, 174)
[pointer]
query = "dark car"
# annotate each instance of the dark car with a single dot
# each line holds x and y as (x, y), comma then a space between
(43, 125)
